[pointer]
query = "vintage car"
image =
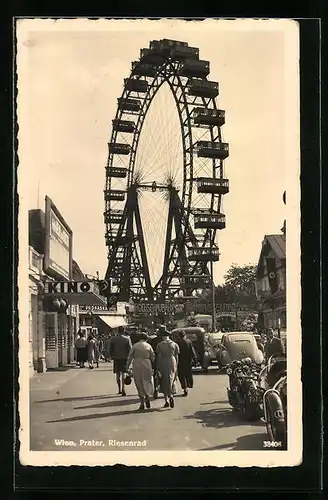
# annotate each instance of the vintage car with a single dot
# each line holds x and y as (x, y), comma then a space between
(197, 336)
(238, 345)
(213, 342)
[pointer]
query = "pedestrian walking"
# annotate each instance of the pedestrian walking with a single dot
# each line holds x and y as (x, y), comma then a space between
(97, 350)
(120, 347)
(107, 347)
(187, 357)
(92, 346)
(167, 354)
(80, 345)
(142, 358)
(274, 345)
(154, 341)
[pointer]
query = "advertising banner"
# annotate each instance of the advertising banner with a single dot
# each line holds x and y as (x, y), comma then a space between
(154, 308)
(58, 244)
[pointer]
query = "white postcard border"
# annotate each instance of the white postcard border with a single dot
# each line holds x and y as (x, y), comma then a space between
(291, 457)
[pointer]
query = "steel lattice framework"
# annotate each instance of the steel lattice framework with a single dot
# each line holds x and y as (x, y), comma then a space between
(190, 242)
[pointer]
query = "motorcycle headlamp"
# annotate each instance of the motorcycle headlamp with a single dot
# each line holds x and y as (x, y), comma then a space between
(229, 371)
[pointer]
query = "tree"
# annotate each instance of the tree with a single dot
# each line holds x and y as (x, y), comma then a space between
(241, 278)
(238, 288)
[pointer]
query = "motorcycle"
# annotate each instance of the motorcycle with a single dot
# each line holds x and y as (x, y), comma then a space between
(275, 410)
(245, 393)
(275, 368)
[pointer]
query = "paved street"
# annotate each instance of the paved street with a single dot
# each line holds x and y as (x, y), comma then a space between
(76, 405)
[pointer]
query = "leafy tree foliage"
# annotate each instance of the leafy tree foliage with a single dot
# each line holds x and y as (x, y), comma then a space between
(238, 287)
(241, 278)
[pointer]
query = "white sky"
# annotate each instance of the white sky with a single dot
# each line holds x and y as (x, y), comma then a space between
(70, 84)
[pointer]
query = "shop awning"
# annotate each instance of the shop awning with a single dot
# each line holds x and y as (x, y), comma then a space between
(113, 321)
(83, 299)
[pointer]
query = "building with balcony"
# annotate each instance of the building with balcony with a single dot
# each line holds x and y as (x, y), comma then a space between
(271, 282)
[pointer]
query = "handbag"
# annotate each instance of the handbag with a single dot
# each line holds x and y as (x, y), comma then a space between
(128, 378)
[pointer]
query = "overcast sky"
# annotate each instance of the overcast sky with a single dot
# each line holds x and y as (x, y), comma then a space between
(70, 76)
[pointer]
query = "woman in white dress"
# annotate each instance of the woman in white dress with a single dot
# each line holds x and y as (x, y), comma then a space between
(142, 357)
(167, 357)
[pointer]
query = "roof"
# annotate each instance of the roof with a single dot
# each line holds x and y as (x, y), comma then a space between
(277, 242)
(77, 272)
(239, 334)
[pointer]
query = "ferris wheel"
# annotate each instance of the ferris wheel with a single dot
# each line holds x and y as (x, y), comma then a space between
(165, 177)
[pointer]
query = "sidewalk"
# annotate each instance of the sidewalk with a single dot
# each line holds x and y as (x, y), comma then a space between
(54, 378)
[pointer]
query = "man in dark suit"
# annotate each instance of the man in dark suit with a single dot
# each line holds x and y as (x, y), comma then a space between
(274, 345)
(120, 347)
(187, 358)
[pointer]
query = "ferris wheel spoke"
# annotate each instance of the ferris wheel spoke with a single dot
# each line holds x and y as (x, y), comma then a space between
(152, 147)
(165, 130)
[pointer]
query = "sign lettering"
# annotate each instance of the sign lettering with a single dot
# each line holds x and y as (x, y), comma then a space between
(157, 308)
(95, 308)
(72, 286)
(57, 258)
(85, 287)
(222, 309)
(57, 287)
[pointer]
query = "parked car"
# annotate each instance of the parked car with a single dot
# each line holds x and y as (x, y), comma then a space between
(213, 341)
(238, 345)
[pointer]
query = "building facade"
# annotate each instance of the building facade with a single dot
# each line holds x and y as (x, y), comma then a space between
(271, 282)
(53, 317)
(57, 290)
(36, 318)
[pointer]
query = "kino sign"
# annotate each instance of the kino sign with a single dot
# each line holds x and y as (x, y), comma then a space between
(52, 287)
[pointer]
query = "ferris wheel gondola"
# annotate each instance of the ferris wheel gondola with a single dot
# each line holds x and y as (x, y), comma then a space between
(192, 189)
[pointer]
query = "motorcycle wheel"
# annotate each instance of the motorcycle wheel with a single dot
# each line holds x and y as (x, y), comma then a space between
(276, 430)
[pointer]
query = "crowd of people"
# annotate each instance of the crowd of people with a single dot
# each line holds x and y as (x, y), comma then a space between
(89, 349)
(154, 363)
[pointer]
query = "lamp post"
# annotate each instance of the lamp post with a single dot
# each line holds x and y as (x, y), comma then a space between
(91, 318)
(236, 304)
(213, 300)
(61, 306)
(279, 328)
